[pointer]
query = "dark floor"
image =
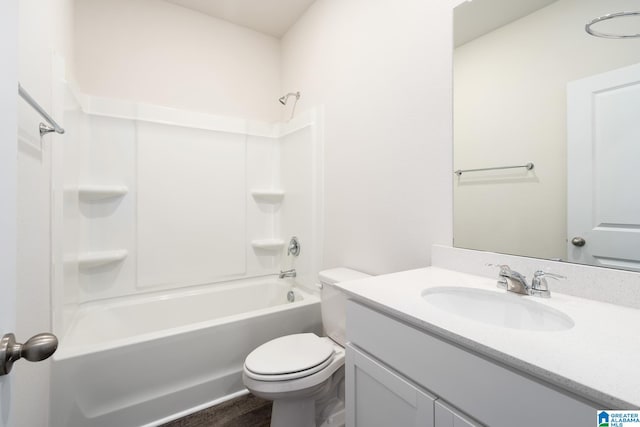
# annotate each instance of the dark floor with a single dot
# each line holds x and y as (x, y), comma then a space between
(243, 411)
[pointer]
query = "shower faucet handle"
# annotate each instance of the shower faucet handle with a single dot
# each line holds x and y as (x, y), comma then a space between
(294, 247)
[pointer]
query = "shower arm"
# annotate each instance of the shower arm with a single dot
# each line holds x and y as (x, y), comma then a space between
(283, 99)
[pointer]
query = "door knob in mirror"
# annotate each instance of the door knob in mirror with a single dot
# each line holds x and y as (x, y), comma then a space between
(578, 241)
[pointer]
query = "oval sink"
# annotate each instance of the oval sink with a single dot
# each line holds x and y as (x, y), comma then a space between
(499, 309)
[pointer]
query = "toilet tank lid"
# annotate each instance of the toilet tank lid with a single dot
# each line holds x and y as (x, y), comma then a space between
(340, 274)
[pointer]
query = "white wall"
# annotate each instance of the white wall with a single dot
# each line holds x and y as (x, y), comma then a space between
(383, 72)
(158, 53)
(44, 37)
(369, 63)
(510, 108)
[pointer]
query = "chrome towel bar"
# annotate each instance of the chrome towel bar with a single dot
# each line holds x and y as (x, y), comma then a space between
(44, 129)
(528, 166)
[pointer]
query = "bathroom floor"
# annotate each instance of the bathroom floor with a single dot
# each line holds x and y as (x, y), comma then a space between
(243, 411)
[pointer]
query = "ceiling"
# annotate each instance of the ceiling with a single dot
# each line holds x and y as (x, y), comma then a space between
(475, 18)
(272, 17)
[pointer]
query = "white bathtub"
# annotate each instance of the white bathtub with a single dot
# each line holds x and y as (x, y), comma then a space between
(142, 361)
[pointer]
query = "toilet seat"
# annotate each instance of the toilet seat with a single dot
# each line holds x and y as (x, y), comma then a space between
(289, 357)
(295, 388)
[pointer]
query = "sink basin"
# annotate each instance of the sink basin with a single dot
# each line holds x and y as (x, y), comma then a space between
(507, 310)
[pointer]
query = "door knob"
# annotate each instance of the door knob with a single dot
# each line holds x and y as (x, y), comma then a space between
(578, 241)
(37, 348)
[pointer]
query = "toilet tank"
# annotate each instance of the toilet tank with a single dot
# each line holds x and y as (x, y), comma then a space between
(334, 301)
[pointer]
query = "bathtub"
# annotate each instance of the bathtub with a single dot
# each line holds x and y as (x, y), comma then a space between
(145, 360)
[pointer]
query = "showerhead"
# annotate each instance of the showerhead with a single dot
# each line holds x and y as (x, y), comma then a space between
(283, 99)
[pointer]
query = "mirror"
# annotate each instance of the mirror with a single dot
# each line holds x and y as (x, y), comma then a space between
(531, 86)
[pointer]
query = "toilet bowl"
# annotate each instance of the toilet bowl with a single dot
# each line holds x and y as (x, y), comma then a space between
(303, 374)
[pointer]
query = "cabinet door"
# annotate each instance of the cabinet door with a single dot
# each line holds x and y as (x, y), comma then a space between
(378, 397)
(448, 417)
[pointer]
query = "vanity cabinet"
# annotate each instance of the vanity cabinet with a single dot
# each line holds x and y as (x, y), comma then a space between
(394, 370)
(445, 416)
(378, 397)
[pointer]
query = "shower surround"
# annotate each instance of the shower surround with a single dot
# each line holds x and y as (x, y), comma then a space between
(168, 215)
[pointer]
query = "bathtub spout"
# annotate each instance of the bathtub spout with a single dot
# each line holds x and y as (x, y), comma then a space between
(287, 273)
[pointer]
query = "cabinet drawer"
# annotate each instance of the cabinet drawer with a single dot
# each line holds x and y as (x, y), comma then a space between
(491, 393)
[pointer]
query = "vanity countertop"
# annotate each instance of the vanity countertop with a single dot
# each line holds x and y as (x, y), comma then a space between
(597, 358)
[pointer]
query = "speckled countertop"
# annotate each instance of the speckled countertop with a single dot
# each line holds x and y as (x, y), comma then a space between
(598, 358)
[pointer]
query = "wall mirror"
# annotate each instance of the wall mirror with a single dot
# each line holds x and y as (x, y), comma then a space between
(531, 86)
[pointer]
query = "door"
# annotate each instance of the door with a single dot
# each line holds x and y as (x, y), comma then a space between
(603, 130)
(8, 185)
(378, 397)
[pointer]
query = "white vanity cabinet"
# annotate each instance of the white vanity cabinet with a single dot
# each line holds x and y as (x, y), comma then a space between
(378, 397)
(393, 371)
(445, 416)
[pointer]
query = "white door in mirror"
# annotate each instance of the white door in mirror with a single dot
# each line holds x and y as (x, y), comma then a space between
(603, 130)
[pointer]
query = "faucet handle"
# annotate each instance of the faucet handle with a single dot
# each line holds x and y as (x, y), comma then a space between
(539, 285)
(504, 271)
(540, 273)
(294, 247)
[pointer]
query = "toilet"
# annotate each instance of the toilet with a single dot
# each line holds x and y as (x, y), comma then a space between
(303, 374)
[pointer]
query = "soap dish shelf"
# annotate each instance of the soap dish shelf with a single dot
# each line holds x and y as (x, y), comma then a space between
(89, 193)
(268, 196)
(268, 244)
(89, 260)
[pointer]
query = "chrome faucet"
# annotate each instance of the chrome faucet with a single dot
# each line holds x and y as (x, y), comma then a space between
(512, 281)
(516, 282)
(287, 273)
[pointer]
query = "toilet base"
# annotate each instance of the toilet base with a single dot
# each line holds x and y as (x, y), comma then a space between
(337, 419)
(321, 406)
(303, 413)
(293, 412)
(310, 401)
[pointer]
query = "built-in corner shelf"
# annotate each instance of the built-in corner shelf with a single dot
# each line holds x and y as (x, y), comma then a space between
(268, 196)
(268, 244)
(90, 193)
(88, 260)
